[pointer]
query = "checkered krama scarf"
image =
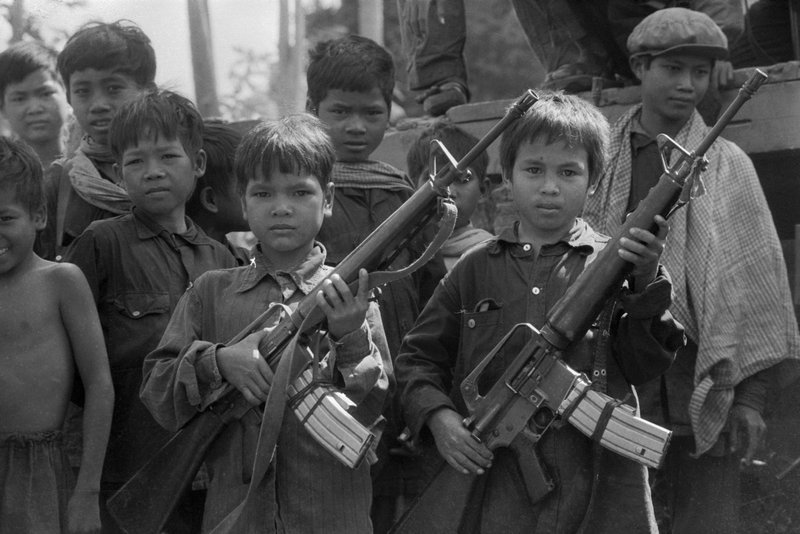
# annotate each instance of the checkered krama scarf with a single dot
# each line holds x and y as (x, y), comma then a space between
(729, 276)
(370, 175)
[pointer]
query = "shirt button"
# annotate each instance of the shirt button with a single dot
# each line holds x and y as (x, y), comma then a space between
(526, 247)
(136, 313)
(471, 323)
(535, 290)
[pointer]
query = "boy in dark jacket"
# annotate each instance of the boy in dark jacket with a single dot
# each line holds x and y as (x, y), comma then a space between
(549, 159)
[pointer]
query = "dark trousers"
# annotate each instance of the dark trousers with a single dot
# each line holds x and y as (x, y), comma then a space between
(435, 50)
(696, 495)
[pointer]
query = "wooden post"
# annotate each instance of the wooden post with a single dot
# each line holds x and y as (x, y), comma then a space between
(370, 20)
(205, 81)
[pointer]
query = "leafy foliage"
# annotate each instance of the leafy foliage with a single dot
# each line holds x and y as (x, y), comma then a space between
(27, 25)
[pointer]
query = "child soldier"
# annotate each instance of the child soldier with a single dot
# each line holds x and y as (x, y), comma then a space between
(215, 205)
(549, 158)
(350, 83)
(32, 98)
(102, 66)
(139, 264)
(283, 170)
(731, 287)
(466, 190)
(49, 330)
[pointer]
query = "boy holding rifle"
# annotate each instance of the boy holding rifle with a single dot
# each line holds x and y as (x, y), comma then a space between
(731, 289)
(283, 171)
(549, 158)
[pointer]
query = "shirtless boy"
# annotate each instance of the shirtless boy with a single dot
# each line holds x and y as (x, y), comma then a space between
(49, 330)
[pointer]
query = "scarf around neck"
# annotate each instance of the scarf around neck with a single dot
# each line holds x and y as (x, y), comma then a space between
(730, 284)
(88, 183)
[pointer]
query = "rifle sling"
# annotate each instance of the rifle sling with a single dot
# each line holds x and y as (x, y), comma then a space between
(274, 408)
(447, 223)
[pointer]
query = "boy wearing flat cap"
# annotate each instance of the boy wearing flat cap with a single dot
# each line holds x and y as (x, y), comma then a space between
(729, 276)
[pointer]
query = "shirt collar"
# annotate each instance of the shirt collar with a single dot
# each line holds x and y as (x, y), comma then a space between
(147, 228)
(580, 237)
(639, 137)
(304, 277)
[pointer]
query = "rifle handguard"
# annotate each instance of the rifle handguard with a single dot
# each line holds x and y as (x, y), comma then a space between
(625, 433)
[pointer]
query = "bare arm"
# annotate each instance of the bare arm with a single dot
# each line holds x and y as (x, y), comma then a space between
(82, 324)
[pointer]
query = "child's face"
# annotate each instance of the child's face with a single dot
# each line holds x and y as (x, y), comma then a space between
(549, 185)
(673, 85)
(285, 212)
(466, 196)
(18, 229)
(356, 122)
(36, 107)
(160, 176)
(96, 95)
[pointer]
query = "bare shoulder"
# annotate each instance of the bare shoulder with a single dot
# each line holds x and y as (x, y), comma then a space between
(61, 278)
(60, 272)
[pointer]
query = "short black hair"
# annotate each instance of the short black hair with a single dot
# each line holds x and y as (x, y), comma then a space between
(219, 143)
(351, 63)
(156, 112)
(295, 144)
(120, 46)
(457, 141)
(559, 117)
(21, 172)
(22, 59)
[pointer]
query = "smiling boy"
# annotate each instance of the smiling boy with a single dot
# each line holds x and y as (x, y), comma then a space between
(138, 265)
(549, 159)
(731, 287)
(102, 67)
(283, 172)
(49, 332)
(32, 98)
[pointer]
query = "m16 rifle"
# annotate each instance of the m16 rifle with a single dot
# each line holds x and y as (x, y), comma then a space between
(538, 388)
(144, 503)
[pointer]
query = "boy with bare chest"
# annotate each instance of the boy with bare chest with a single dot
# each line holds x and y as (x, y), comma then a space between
(49, 330)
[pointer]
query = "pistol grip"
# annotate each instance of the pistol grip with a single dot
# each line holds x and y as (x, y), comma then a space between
(534, 474)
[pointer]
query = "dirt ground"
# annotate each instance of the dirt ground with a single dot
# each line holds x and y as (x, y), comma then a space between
(771, 493)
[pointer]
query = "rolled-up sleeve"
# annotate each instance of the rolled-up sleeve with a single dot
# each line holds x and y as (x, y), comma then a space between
(358, 364)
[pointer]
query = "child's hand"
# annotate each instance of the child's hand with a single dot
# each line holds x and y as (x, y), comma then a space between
(83, 512)
(643, 250)
(456, 444)
(244, 367)
(344, 311)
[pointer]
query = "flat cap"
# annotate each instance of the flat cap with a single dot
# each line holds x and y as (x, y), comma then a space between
(676, 30)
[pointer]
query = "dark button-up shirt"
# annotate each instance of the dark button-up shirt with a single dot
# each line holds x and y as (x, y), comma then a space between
(138, 271)
(494, 287)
